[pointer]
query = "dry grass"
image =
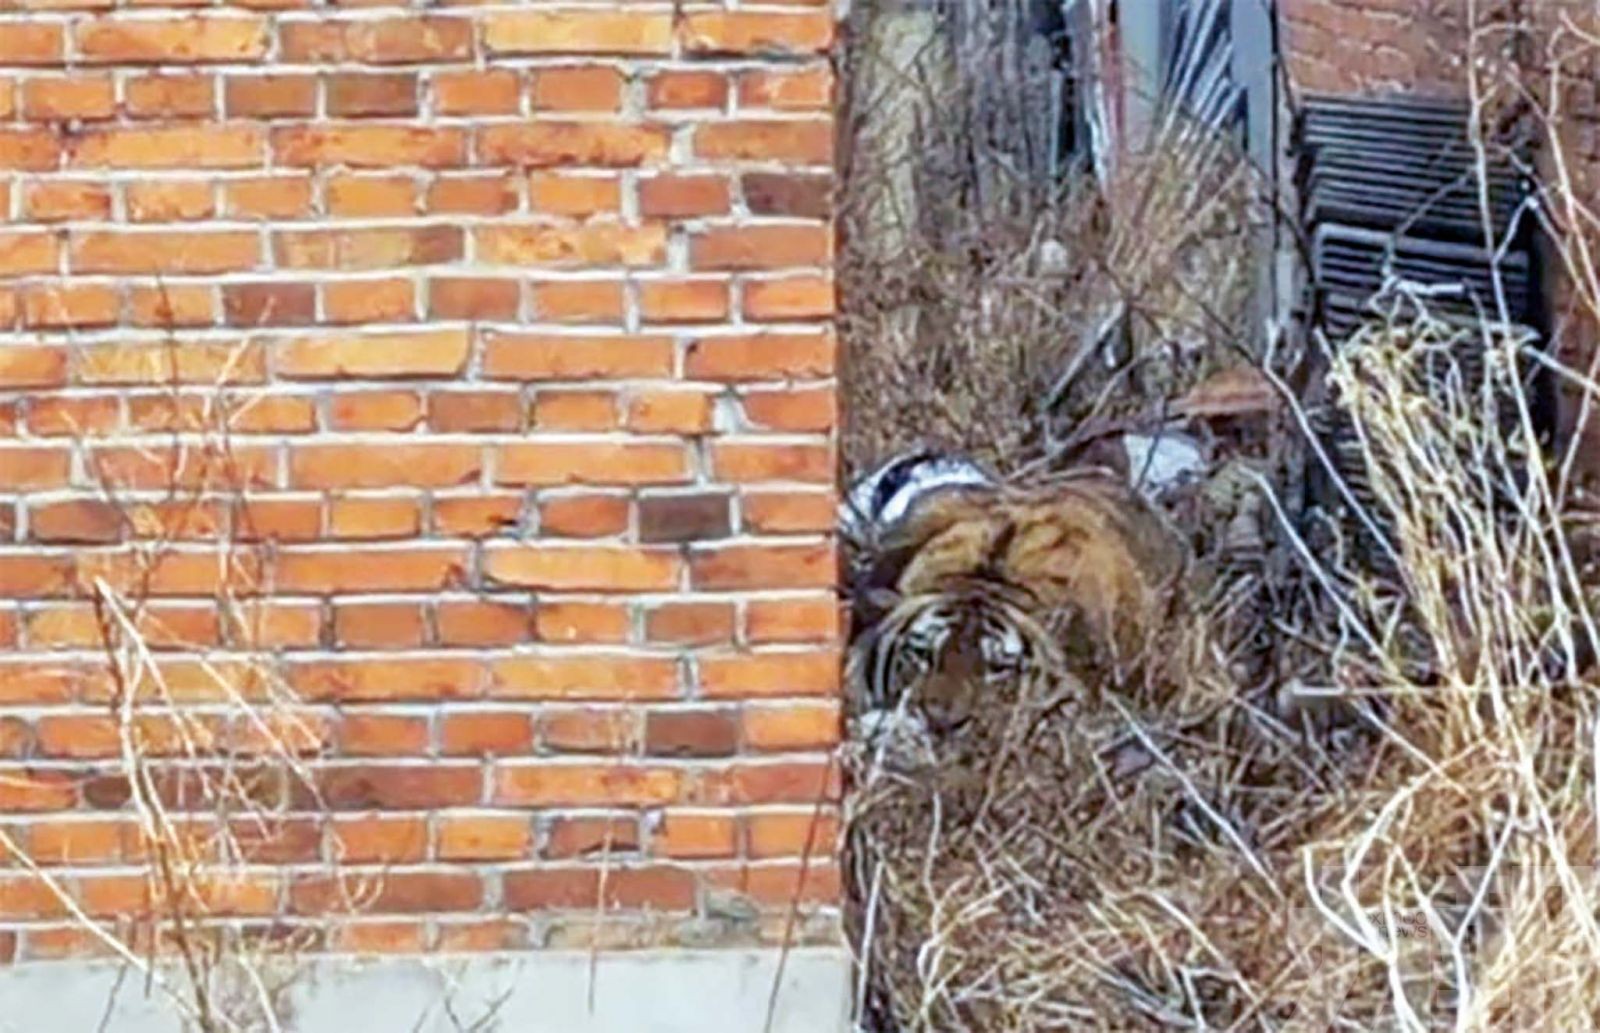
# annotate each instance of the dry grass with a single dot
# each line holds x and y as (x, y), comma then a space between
(993, 302)
(1351, 794)
(212, 751)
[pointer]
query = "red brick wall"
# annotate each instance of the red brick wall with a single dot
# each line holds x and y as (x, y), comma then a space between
(1338, 46)
(518, 316)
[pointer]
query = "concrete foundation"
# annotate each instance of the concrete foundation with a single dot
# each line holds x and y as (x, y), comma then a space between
(551, 992)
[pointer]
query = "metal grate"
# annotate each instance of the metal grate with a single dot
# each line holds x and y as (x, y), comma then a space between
(1390, 187)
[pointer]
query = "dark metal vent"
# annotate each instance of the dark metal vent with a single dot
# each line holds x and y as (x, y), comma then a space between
(1390, 187)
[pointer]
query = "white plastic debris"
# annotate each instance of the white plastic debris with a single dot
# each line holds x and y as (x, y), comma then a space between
(1158, 463)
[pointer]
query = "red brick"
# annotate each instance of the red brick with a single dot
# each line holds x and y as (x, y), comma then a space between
(475, 411)
(109, 251)
(422, 354)
(595, 88)
(476, 516)
(29, 150)
(761, 357)
(269, 303)
(684, 301)
(591, 568)
(583, 516)
(670, 412)
(384, 571)
(581, 622)
(743, 461)
(473, 298)
(185, 40)
(591, 677)
(64, 305)
(697, 835)
(24, 253)
(683, 196)
(542, 889)
(383, 735)
(171, 96)
(381, 248)
(493, 92)
(803, 142)
(268, 96)
(360, 94)
(394, 464)
(392, 893)
(182, 361)
(368, 301)
(488, 935)
(764, 566)
(578, 32)
(491, 194)
(172, 305)
(554, 144)
(658, 888)
(557, 193)
(575, 410)
(24, 791)
(81, 97)
(484, 837)
(55, 202)
(505, 733)
(385, 840)
(575, 357)
(219, 146)
(760, 247)
(587, 785)
(597, 462)
(400, 786)
(25, 468)
(473, 623)
(680, 89)
(792, 409)
(584, 837)
(411, 39)
(378, 625)
(784, 781)
(371, 196)
(792, 297)
(369, 146)
(373, 519)
(579, 301)
(276, 197)
(792, 620)
(761, 33)
(381, 937)
(691, 624)
(809, 833)
(691, 733)
(396, 679)
(170, 201)
(769, 674)
(801, 195)
(41, 43)
(570, 247)
(79, 521)
(684, 518)
(807, 90)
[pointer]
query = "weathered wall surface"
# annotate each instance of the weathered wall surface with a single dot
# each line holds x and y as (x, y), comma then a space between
(523, 312)
(1337, 46)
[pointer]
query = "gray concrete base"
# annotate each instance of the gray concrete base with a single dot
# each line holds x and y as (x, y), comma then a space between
(725, 991)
